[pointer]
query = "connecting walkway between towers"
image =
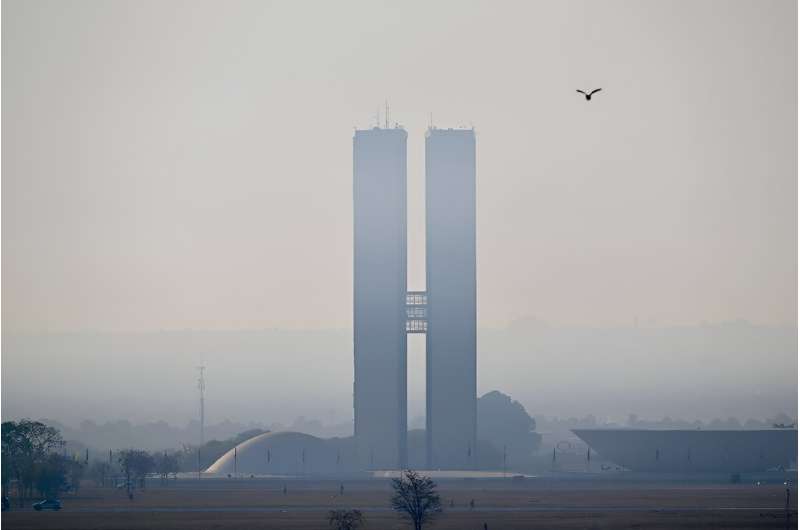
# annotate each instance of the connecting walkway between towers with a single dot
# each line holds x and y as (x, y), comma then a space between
(416, 312)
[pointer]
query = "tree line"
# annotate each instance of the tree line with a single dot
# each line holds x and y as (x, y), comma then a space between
(34, 462)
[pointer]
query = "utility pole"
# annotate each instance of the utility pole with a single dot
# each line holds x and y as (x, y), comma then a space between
(201, 385)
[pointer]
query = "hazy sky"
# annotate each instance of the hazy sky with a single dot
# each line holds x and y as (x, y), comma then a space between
(173, 165)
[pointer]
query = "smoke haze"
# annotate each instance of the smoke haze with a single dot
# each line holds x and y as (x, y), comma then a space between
(177, 190)
(694, 372)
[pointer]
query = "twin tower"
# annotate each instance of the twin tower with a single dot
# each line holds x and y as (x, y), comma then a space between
(385, 311)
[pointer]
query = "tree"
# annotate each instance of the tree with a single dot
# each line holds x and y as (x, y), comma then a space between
(7, 470)
(26, 445)
(75, 471)
(166, 464)
(415, 498)
(98, 471)
(135, 465)
(345, 519)
(505, 423)
(51, 475)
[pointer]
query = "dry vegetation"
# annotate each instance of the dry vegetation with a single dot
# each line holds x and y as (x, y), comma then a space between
(261, 504)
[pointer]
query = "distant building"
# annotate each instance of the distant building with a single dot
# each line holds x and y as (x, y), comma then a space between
(385, 311)
(286, 453)
(451, 404)
(698, 450)
(379, 291)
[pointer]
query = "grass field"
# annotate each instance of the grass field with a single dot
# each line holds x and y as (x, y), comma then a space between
(500, 504)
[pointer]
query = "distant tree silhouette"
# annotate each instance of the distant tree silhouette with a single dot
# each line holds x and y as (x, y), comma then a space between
(506, 425)
(345, 519)
(99, 470)
(415, 498)
(75, 472)
(26, 447)
(135, 466)
(166, 464)
(51, 475)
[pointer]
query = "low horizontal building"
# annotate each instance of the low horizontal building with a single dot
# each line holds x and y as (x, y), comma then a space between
(685, 451)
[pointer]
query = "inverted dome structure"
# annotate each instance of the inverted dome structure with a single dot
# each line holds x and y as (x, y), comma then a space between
(287, 453)
(681, 450)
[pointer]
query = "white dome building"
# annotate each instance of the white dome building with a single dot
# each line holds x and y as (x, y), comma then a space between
(287, 453)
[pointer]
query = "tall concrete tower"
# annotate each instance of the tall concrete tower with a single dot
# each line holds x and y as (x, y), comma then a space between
(379, 297)
(451, 288)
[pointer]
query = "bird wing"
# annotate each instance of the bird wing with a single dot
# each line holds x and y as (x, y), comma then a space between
(595, 90)
(581, 91)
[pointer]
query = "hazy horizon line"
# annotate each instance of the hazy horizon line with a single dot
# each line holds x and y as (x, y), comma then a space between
(496, 326)
(600, 420)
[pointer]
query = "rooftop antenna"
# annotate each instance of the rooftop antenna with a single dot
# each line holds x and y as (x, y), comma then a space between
(201, 384)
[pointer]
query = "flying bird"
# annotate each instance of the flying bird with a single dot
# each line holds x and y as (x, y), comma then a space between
(589, 95)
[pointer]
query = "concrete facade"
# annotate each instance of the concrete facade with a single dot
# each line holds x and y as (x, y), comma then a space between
(379, 290)
(385, 311)
(694, 451)
(451, 400)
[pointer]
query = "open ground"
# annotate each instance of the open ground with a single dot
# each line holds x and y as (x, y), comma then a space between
(552, 503)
